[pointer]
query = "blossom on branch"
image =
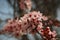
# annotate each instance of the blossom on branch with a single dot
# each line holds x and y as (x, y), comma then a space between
(33, 22)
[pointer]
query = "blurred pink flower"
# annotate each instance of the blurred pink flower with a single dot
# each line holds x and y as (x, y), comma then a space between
(33, 22)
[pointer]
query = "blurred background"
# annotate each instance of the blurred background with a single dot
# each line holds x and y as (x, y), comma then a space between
(10, 9)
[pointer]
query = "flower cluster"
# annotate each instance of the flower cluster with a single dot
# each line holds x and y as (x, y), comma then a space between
(33, 22)
(48, 34)
(25, 5)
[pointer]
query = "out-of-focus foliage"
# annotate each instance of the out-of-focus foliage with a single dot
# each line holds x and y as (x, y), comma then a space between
(48, 7)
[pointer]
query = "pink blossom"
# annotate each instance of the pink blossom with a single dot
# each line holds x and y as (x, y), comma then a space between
(30, 23)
